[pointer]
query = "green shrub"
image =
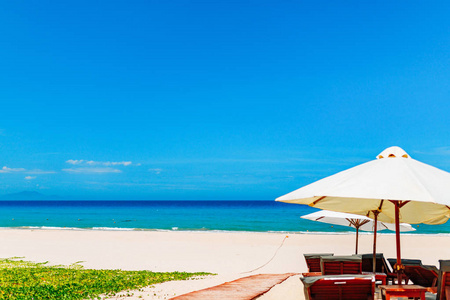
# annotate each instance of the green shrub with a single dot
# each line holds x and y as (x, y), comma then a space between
(28, 280)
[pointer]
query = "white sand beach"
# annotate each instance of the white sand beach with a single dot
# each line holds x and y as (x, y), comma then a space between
(230, 255)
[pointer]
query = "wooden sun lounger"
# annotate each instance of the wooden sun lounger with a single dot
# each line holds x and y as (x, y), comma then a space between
(443, 290)
(381, 267)
(335, 265)
(339, 287)
(313, 261)
(423, 275)
(419, 274)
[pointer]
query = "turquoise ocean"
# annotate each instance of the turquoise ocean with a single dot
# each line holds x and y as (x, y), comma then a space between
(258, 216)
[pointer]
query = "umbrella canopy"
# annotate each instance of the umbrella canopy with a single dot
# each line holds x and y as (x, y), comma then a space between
(369, 187)
(356, 221)
(394, 187)
(352, 220)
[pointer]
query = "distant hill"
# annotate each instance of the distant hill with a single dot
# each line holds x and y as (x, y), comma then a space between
(30, 195)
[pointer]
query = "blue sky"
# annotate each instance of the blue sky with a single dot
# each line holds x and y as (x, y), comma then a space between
(215, 99)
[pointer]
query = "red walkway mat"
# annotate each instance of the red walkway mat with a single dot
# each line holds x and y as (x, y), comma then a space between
(246, 288)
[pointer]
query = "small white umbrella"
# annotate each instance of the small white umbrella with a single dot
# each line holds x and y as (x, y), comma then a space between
(392, 188)
(356, 221)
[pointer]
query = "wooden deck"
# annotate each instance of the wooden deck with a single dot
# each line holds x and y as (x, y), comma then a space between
(246, 288)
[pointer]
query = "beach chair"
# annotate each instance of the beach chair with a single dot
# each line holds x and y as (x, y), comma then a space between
(424, 275)
(443, 291)
(339, 287)
(313, 261)
(381, 267)
(335, 265)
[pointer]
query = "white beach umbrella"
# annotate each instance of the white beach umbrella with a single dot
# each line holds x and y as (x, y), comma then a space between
(356, 221)
(392, 188)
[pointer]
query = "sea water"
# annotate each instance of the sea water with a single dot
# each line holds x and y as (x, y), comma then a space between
(260, 216)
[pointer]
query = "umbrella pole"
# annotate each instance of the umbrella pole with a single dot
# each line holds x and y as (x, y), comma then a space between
(374, 259)
(357, 231)
(398, 265)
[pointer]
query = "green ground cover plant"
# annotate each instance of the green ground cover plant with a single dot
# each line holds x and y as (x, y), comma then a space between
(26, 280)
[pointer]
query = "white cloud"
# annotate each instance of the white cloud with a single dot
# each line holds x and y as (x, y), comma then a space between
(30, 177)
(74, 161)
(38, 171)
(441, 151)
(99, 163)
(92, 170)
(115, 163)
(5, 169)
(156, 171)
(162, 186)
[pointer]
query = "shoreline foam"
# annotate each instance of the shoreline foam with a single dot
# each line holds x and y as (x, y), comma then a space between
(126, 229)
